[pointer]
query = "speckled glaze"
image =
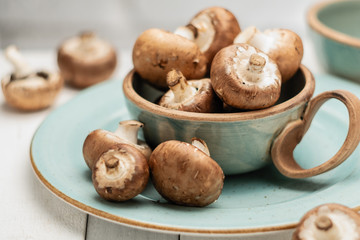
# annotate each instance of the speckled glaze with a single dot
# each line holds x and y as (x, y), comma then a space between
(239, 142)
(334, 28)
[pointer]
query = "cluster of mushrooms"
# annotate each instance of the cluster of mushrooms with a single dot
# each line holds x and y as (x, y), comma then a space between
(121, 164)
(83, 61)
(246, 68)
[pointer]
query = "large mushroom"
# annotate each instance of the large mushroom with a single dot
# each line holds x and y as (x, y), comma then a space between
(99, 141)
(156, 52)
(329, 222)
(190, 96)
(86, 60)
(26, 89)
(245, 77)
(211, 29)
(121, 173)
(282, 45)
(186, 174)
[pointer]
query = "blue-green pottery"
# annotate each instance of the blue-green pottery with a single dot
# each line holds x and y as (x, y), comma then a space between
(254, 203)
(334, 28)
(240, 142)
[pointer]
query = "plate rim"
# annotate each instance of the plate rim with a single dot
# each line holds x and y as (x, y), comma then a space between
(139, 224)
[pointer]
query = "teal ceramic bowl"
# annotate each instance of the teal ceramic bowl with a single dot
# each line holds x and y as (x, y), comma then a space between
(334, 28)
(244, 141)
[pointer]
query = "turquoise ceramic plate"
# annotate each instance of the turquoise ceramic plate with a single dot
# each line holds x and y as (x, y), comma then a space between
(255, 202)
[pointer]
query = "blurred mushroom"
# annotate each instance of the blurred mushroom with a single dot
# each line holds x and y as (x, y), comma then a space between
(211, 29)
(156, 52)
(191, 96)
(282, 45)
(245, 78)
(185, 174)
(329, 222)
(86, 60)
(121, 173)
(99, 141)
(26, 89)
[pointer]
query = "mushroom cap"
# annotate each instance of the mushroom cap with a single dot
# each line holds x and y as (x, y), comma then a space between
(82, 66)
(225, 28)
(99, 141)
(237, 86)
(156, 52)
(282, 45)
(185, 175)
(346, 220)
(35, 92)
(204, 99)
(121, 173)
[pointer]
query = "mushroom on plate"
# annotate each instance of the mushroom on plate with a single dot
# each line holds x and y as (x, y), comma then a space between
(245, 77)
(156, 52)
(211, 29)
(329, 222)
(99, 141)
(190, 96)
(282, 45)
(86, 59)
(121, 173)
(185, 174)
(26, 89)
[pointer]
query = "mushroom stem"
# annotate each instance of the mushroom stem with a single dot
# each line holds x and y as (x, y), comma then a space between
(326, 229)
(21, 67)
(189, 32)
(179, 86)
(200, 144)
(112, 162)
(256, 63)
(129, 130)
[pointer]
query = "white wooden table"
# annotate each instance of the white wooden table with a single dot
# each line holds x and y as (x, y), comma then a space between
(28, 210)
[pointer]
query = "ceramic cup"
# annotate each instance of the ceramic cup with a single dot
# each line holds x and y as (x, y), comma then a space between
(245, 141)
(334, 28)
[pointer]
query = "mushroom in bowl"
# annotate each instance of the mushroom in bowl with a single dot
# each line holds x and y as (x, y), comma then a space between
(211, 29)
(282, 45)
(248, 140)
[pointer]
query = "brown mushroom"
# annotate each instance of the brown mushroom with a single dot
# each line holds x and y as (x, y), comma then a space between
(99, 141)
(156, 52)
(282, 45)
(121, 173)
(86, 60)
(330, 222)
(245, 78)
(185, 174)
(211, 29)
(191, 96)
(26, 89)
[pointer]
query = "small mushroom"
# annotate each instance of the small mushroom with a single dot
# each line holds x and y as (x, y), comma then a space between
(211, 29)
(156, 52)
(99, 141)
(26, 89)
(329, 222)
(121, 173)
(245, 78)
(282, 45)
(186, 174)
(86, 60)
(191, 96)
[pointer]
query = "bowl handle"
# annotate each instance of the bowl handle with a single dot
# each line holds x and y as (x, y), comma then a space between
(284, 145)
